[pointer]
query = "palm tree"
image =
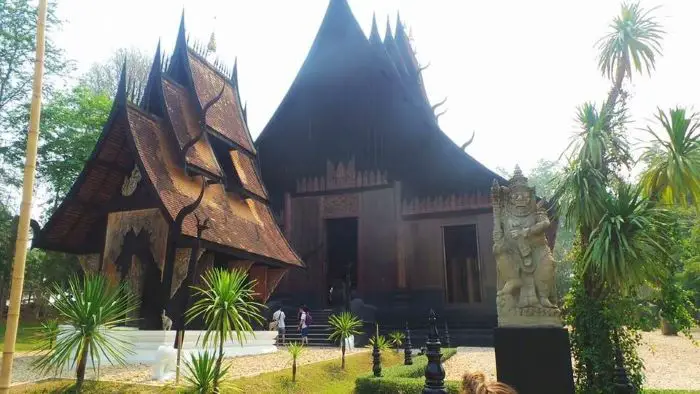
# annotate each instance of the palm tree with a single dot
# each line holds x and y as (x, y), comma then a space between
(225, 302)
(634, 41)
(396, 338)
(343, 325)
(295, 349)
(673, 175)
(91, 307)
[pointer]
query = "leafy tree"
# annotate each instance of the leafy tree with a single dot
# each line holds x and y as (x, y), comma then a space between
(92, 307)
(102, 78)
(226, 304)
(619, 233)
(343, 326)
(17, 50)
(71, 122)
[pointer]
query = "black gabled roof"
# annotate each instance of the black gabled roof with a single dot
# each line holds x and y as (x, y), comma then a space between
(355, 97)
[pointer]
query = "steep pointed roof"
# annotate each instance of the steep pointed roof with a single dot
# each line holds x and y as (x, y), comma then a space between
(352, 100)
(188, 127)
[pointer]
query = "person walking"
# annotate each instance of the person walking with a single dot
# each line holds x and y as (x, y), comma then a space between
(278, 317)
(304, 323)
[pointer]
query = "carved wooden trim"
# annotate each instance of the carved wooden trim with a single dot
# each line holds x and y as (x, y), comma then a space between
(243, 265)
(120, 223)
(90, 263)
(440, 204)
(182, 261)
(341, 176)
(274, 276)
(340, 206)
(259, 274)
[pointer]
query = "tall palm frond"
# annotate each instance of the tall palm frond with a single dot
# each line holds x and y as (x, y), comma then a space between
(634, 41)
(630, 243)
(673, 176)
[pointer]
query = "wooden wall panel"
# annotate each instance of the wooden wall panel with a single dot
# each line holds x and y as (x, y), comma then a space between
(306, 237)
(425, 260)
(377, 241)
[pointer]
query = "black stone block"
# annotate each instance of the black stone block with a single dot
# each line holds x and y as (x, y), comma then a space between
(534, 360)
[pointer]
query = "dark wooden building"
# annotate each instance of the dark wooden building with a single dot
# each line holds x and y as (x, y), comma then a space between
(366, 184)
(179, 146)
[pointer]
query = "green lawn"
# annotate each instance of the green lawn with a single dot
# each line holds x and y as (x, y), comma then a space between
(26, 337)
(323, 377)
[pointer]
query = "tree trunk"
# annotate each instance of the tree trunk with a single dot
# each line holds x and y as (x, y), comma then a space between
(294, 369)
(617, 85)
(82, 363)
(342, 351)
(219, 360)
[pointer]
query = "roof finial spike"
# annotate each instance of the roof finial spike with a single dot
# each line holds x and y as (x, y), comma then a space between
(374, 33)
(121, 86)
(398, 20)
(388, 33)
(188, 39)
(234, 73)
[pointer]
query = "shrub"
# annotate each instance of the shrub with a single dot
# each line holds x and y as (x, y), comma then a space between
(403, 378)
(202, 372)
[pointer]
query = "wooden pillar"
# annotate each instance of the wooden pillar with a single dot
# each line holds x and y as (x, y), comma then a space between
(400, 250)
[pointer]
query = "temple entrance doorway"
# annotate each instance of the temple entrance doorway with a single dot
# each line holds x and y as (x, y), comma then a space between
(462, 270)
(341, 259)
(142, 275)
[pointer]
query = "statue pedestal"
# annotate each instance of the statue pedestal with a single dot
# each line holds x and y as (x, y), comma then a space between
(534, 360)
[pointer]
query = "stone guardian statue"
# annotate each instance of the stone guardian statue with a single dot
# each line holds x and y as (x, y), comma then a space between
(524, 262)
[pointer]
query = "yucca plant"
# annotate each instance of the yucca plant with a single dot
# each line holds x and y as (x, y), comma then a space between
(396, 338)
(629, 244)
(673, 175)
(295, 349)
(48, 331)
(92, 307)
(634, 40)
(381, 341)
(202, 373)
(343, 325)
(225, 302)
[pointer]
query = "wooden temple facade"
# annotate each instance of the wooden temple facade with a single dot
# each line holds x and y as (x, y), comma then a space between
(173, 188)
(366, 185)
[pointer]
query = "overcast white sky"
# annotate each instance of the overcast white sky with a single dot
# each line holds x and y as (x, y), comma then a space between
(513, 71)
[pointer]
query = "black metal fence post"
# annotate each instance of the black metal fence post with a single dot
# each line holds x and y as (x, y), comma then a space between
(434, 371)
(407, 351)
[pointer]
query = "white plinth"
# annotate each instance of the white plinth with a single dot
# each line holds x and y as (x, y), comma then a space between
(145, 344)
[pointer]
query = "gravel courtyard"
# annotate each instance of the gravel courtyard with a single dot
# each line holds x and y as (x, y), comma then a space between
(671, 362)
(140, 373)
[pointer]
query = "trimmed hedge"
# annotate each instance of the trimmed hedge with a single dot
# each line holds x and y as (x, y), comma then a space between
(405, 379)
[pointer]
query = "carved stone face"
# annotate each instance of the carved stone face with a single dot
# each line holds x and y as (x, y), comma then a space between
(521, 201)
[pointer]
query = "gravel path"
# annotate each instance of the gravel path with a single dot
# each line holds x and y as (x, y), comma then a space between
(671, 362)
(141, 373)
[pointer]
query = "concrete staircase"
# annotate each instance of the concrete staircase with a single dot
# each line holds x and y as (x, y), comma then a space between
(318, 331)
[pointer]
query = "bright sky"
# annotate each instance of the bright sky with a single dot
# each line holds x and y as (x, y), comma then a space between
(513, 71)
